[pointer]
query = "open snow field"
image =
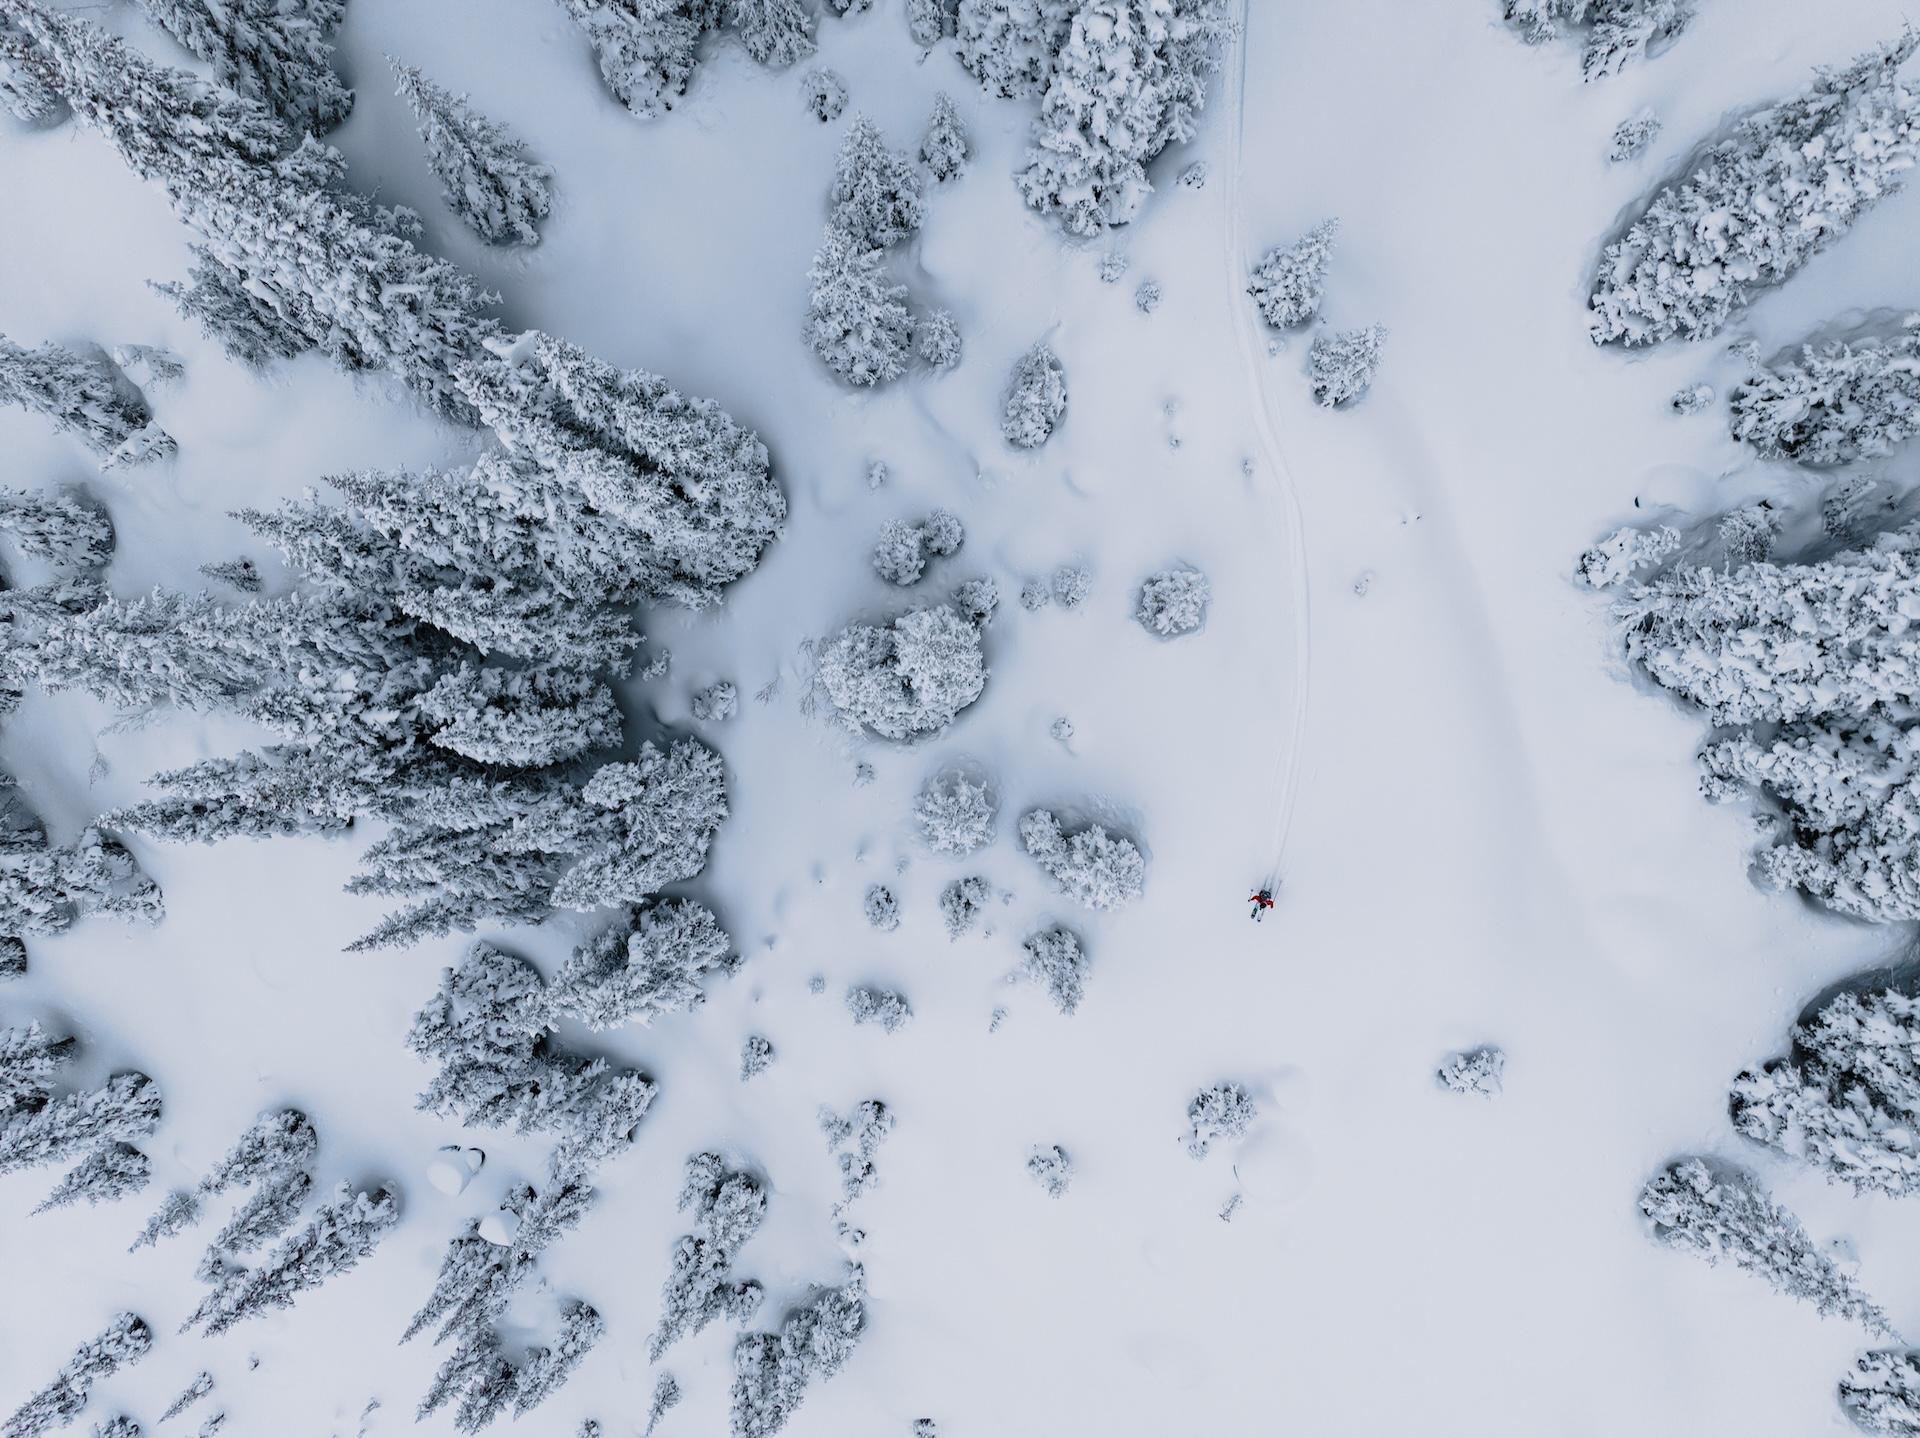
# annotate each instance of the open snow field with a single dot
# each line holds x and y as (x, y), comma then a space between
(1485, 831)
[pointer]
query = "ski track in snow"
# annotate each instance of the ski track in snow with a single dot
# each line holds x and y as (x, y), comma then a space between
(1281, 497)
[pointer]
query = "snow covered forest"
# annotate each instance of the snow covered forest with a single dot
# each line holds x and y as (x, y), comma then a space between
(653, 654)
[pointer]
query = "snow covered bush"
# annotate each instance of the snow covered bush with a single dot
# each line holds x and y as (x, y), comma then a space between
(881, 908)
(1473, 1071)
(1146, 298)
(1035, 595)
(1725, 1214)
(1341, 365)
(1784, 183)
(930, 21)
(1054, 960)
(716, 703)
(1611, 32)
(1090, 866)
(944, 149)
(728, 1206)
(857, 319)
(1288, 282)
(977, 600)
(486, 175)
(910, 677)
(937, 337)
(1130, 79)
(954, 814)
(756, 1055)
(1747, 534)
(46, 888)
(84, 397)
(1834, 403)
(869, 1005)
(1224, 1111)
(824, 93)
(1009, 45)
(771, 1372)
(961, 904)
(1071, 585)
(653, 963)
(876, 194)
(901, 553)
(126, 1340)
(1691, 400)
(275, 53)
(1036, 398)
(1622, 554)
(1848, 1100)
(1173, 602)
(1632, 135)
(1051, 1169)
(1882, 1394)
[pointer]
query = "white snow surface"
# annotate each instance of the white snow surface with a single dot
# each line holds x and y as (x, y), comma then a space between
(1483, 831)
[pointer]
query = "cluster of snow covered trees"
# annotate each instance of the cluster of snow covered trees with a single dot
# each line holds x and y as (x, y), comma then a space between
(1835, 402)
(1092, 867)
(85, 396)
(1783, 183)
(649, 50)
(728, 1206)
(1610, 32)
(907, 678)
(1811, 667)
(486, 1030)
(99, 1127)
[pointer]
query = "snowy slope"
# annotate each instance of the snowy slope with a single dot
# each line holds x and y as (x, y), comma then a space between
(1489, 835)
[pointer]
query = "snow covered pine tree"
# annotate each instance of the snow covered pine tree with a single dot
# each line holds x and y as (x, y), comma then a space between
(486, 175)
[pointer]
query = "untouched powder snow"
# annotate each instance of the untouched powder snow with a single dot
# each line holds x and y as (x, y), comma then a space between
(1398, 707)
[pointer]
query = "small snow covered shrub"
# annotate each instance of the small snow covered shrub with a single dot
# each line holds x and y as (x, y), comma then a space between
(1051, 1169)
(755, 1056)
(1848, 1100)
(716, 703)
(1694, 399)
(1882, 1394)
(1341, 365)
(1036, 398)
(1056, 962)
(1146, 298)
(977, 599)
(1092, 867)
(1113, 266)
(943, 148)
(1611, 32)
(961, 904)
(937, 337)
(1718, 1214)
(901, 553)
(857, 319)
(1783, 184)
(1835, 403)
(1035, 595)
(1224, 1111)
(240, 574)
(1473, 1071)
(1287, 283)
(1622, 554)
(824, 93)
(1632, 135)
(1747, 534)
(955, 814)
(907, 678)
(655, 962)
(881, 908)
(878, 1006)
(1071, 585)
(1173, 602)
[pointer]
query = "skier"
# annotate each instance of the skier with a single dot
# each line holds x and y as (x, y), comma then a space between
(1262, 900)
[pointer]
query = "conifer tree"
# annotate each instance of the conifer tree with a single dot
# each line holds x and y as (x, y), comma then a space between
(1882, 1394)
(1725, 1214)
(252, 329)
(1036, 398)
(910, 677)
(728, 1206)
(125, 1108)
(274, 51)
(876, 195)
(771, 1372)
(83, 397)
(125, 1340)
(111, 1171)
(341, 1232)
(199, 1388)
(654, 963)
(486, 175)
(1287, 283)
(29, 1060)
(944, 148)
(776, 32)
(1785, 183)
(27, 88)
(69, 531)
(857, 319)
(547, 1369)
